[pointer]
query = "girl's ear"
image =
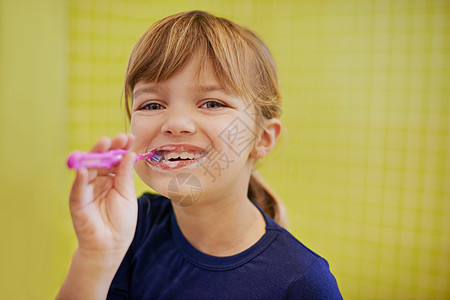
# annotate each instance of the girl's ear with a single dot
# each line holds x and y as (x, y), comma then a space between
(268, 138)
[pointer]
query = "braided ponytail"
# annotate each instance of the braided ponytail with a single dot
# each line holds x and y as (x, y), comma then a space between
(263, 196)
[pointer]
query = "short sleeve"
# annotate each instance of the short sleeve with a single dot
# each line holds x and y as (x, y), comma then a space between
(318, 283)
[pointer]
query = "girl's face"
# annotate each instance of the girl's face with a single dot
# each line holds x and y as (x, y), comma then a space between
(205, 134)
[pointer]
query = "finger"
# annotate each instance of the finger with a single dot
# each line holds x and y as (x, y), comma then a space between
(120, 141)
(124, 182)
(94, 173)
(103, 144)
(130, 141)
(78, 194)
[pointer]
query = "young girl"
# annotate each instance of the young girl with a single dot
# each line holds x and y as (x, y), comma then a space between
(202, 91)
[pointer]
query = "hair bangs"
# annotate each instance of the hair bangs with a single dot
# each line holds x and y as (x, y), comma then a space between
(238, 61)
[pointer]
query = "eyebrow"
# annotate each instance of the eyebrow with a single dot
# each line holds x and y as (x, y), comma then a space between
(147, 89)
(203, 89)
(213, 88)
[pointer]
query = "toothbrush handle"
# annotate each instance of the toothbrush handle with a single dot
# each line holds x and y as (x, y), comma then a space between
(108, 159)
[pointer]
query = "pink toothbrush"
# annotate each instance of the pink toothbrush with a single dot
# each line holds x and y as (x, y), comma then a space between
(108, 159)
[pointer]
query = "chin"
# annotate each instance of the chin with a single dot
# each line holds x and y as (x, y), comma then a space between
(183, 188)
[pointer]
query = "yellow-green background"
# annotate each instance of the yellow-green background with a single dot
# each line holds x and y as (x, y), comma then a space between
(363, 165)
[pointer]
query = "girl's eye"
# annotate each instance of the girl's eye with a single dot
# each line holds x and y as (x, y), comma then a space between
(152, 106)
(213, 104)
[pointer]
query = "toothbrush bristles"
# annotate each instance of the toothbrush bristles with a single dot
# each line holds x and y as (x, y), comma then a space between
(157, 156)
(153, 156)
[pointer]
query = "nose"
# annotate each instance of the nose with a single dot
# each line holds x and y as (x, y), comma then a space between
(179, 121)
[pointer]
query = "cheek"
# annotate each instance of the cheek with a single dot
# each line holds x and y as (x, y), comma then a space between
(239, 137)
(144, 131)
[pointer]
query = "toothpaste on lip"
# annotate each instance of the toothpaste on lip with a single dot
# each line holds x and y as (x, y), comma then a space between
(180, 152)
(168, 165)
(175, 158)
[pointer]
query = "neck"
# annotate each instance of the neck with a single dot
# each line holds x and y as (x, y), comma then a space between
(222, 227)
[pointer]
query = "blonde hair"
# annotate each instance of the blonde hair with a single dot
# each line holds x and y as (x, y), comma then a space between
(241, 60)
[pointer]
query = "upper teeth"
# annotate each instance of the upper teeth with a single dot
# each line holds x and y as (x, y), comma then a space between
(182, 155)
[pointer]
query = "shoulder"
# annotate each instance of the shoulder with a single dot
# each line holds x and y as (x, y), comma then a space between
(289, 250)
(293, 251)
(311, 276)
(316, 283)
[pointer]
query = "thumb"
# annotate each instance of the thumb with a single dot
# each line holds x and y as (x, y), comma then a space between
(79, 195)
(124, 181)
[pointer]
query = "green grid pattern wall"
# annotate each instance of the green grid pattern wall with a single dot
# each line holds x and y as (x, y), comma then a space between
(363, 165)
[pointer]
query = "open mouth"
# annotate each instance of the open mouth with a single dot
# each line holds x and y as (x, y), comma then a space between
(179, 156)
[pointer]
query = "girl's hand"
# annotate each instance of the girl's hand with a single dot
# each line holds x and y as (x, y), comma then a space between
(103, 204)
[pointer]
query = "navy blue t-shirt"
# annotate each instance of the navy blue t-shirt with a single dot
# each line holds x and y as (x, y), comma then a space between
(162, 264)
